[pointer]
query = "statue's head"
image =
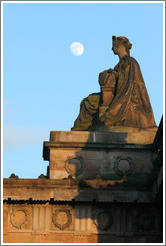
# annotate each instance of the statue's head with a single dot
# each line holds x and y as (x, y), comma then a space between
(117, 41)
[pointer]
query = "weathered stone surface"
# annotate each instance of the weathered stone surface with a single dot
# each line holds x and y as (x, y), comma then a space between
(117, 136)
(69, 189)
(100, 187)
(85, 155)
(105, 193)
(59, 223)
(123, 100)
(126, 208)
(40, 189)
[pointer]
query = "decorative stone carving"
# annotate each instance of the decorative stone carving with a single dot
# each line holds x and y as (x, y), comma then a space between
(74, 166)
(13, 176)
(124, 100)
(103, 220)
(19, 218)
(42, 176)
(62, 218)
(107, 81)
(123, 166)
(145, 220)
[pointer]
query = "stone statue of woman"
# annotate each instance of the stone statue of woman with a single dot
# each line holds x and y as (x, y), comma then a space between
(123, 102)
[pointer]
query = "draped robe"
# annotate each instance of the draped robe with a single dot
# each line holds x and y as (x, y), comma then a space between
(130, 106)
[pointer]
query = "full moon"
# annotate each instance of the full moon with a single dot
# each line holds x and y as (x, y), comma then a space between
(77, 48)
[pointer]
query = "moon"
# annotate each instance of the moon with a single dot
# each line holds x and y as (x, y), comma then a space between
(77, 49)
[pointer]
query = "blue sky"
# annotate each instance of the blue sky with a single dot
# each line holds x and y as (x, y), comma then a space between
(44, 83)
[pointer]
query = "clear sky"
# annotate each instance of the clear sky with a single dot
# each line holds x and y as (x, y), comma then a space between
(44, 83)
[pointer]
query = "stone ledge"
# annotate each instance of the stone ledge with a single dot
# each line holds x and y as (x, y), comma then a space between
(73, 192)
(38, 183)
(141, 137)
(98, 140)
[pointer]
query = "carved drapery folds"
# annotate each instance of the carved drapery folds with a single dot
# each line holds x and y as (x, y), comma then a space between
(123, 100)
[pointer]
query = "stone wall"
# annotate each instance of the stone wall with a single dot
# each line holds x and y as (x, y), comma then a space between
(81, 222)
(100, 188)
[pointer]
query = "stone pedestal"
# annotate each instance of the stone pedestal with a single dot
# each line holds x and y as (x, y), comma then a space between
(107, 95)
(102, 187)
(110, 156)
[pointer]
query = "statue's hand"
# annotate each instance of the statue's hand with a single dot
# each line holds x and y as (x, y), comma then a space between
(113, 72)
(110, 70)
(103, 74)
(107, 71)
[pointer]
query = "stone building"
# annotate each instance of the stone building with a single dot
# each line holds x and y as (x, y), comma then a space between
(104, 179)
(99, 187)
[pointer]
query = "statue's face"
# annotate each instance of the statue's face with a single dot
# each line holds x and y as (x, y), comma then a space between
(115, 49)
(118, 48)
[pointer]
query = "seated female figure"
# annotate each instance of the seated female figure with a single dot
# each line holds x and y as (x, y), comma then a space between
(128, 103)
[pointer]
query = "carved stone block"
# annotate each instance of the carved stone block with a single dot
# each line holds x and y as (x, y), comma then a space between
(103, 220)
(20, 217)
(62, 218)
(84, 155)
(124, 166)
(74, 166)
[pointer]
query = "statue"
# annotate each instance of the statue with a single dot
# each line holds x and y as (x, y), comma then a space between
(123, 101)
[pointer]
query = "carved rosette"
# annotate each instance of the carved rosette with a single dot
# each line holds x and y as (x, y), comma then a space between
(123, 166)
(19, 217)
(74, 166)
(145, 220)
(62, 218)
(103, 220)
